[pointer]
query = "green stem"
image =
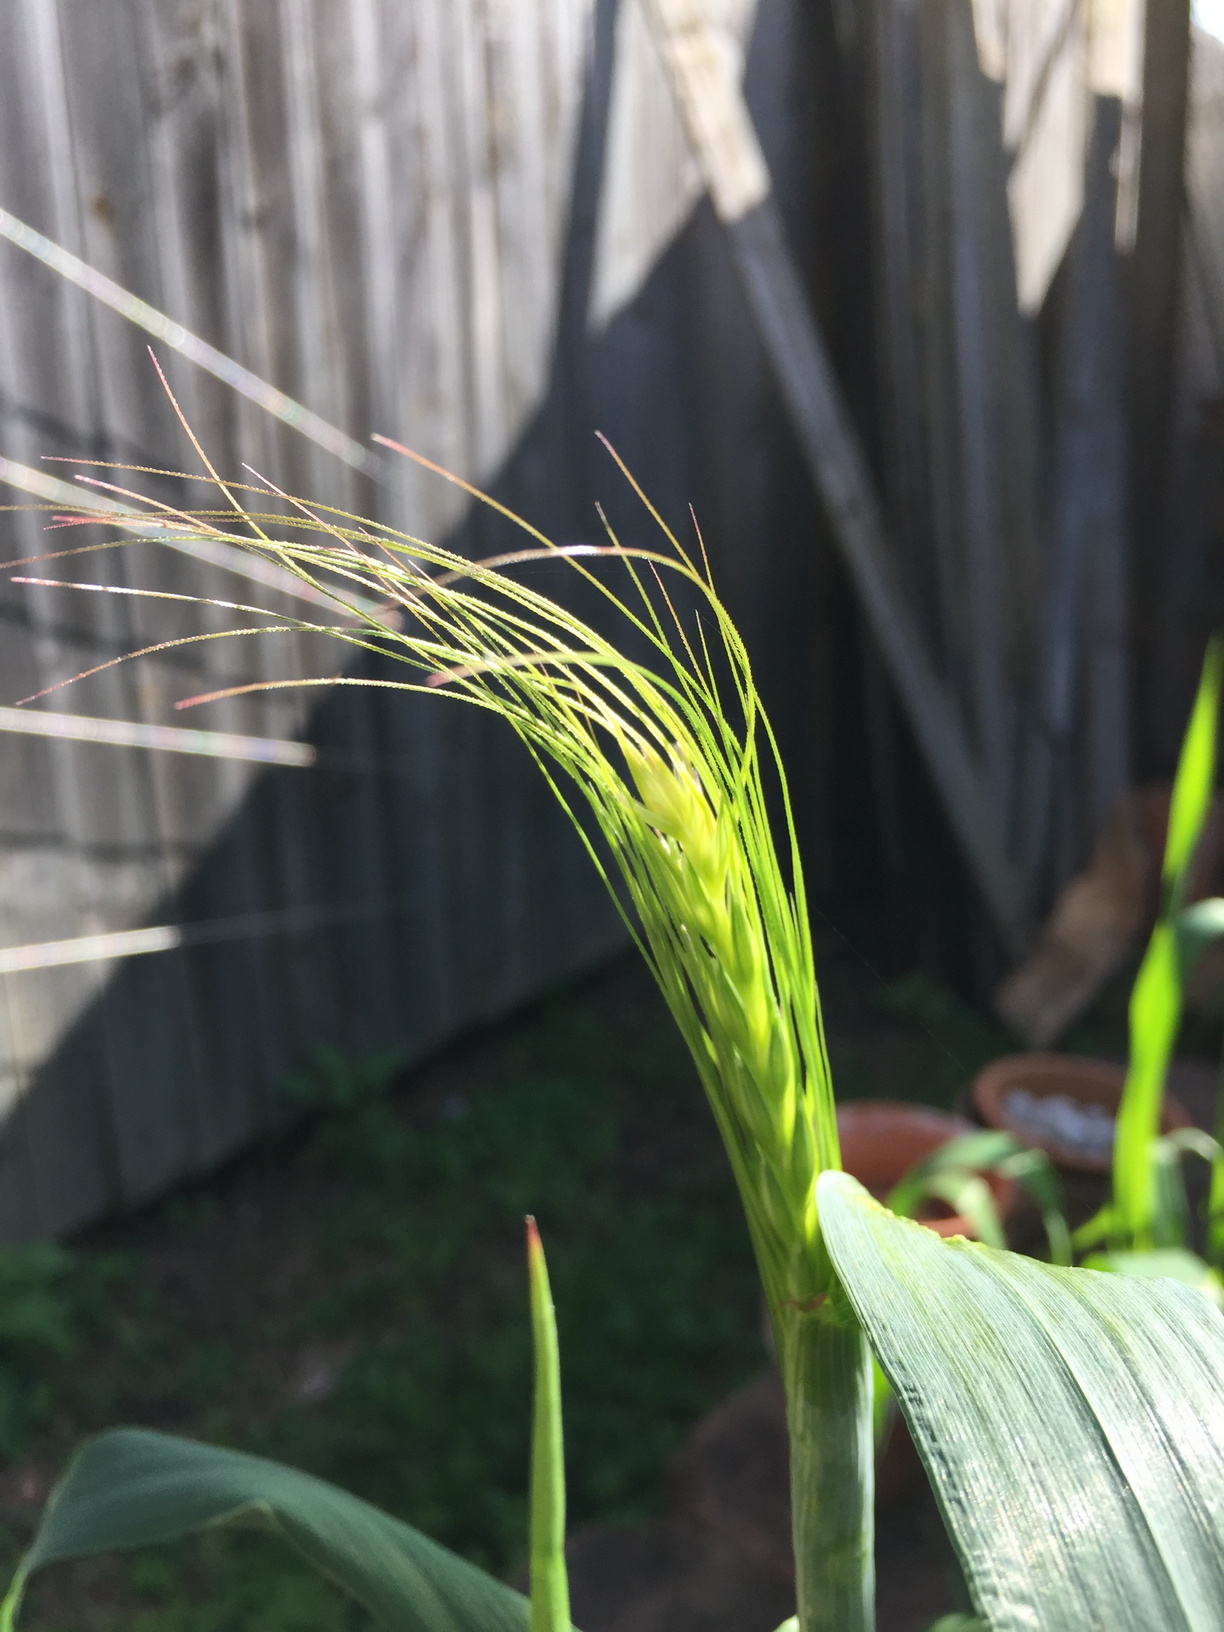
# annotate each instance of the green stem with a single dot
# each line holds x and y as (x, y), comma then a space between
(826, 1370)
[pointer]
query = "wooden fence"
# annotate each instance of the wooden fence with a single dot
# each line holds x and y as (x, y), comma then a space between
(416, 217)
(476, 225)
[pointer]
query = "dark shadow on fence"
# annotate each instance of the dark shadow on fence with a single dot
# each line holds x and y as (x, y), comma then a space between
(419, 878)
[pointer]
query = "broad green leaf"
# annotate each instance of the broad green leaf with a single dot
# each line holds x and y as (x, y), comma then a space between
(1196, 927)
(1072, 1423)
(550, 1609)
(883, 1407)
(130, 1488)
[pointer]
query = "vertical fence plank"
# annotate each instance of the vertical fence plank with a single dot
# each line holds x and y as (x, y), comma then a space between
(194, 173)
(369, 206)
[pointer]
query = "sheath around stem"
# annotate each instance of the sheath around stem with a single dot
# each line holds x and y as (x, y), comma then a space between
(826, 1371)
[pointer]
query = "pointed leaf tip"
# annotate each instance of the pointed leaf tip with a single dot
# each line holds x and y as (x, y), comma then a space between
(550, 1611)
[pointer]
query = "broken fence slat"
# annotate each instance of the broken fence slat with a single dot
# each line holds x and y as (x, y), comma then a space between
(133, 943)
(198, 351)
(839, 471)
(827, 438)
(172, 739)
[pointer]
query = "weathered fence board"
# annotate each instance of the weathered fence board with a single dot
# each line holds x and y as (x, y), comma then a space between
(372, 206)
(206, 158)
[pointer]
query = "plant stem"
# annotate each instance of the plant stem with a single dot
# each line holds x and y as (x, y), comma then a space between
(826, 1371)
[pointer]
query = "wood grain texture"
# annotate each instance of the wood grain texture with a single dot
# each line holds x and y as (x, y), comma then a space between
(729, 153)
(373, 207)
(367, 206)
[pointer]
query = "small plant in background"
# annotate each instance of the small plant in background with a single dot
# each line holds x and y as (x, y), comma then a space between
(1146, 1223)
(1022, 1384)
(348, 1299)
(52, 1302)
(954, 1174)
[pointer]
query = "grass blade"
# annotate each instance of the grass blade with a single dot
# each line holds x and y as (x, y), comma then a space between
(1195, 780)
(1156, 1001)
(550, 1608)
(1072, 1423)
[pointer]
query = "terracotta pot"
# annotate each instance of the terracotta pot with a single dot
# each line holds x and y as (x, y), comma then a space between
(881, 1139)
(1093, 1086)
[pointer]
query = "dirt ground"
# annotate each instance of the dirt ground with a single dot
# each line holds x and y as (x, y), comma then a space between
(720, 1557)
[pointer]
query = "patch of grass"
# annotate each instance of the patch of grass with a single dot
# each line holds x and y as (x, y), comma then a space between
(351, 1297)
(424, 1261)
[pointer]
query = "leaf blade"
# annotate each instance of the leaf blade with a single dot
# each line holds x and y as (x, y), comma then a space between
(1156, 1000)
(1155, 1015)
(550, 1606)
(132, 1487)
(1084, 1487)
(1195, 778)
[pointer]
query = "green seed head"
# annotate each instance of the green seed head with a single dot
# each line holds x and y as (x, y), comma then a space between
(671, 768)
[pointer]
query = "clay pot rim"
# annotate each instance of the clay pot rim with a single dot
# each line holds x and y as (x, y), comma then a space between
(901, 1114)
(902, 1109)
(1044, 1074)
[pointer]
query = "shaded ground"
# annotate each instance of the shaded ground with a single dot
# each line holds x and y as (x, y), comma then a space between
(720, 1559)
(350, 1298)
